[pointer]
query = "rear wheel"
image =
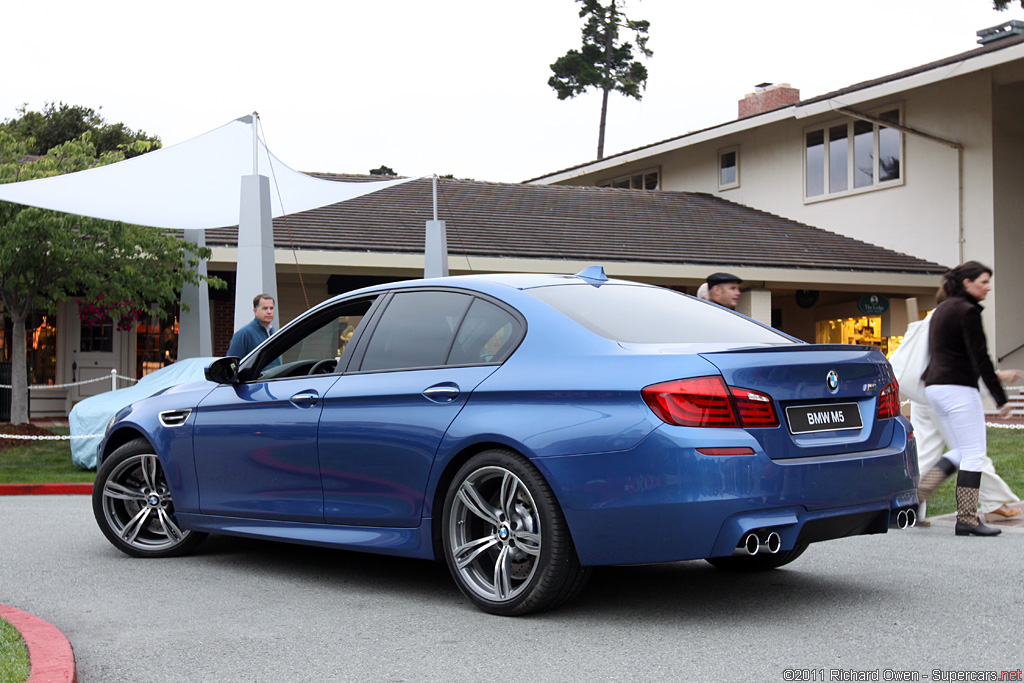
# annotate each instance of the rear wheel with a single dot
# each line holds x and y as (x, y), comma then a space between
(505, 539)
(133, 507)
(758, 563)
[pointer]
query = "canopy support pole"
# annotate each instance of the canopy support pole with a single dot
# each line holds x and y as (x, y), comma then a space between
(435, 245)
(255, 272)
(194, 329)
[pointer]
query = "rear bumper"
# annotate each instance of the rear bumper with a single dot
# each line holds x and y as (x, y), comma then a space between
(662, 501)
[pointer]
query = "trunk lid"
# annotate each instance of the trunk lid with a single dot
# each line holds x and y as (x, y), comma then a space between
(826, 395)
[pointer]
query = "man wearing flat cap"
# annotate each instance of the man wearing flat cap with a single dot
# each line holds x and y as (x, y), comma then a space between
(724, 289)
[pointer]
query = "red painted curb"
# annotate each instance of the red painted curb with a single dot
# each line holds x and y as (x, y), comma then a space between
(45, 489)
(50, 655)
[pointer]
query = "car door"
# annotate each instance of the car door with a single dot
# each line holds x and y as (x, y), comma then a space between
(256, 441)
(383, 421)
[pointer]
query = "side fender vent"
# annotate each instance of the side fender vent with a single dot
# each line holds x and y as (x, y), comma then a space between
(174, 418)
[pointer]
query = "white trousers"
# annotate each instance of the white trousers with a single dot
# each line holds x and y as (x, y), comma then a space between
(931, 443)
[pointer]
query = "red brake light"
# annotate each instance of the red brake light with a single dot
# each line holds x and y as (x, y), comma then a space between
(756, 409)
(695, 402)
(889, 401)
(708, 402)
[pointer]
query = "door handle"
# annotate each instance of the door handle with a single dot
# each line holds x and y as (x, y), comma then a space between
(306, 400)
(442, 393)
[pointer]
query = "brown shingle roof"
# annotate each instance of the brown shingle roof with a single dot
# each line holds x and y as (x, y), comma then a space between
(580, 223)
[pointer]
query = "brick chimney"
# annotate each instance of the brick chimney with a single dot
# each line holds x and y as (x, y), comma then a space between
(766, 97)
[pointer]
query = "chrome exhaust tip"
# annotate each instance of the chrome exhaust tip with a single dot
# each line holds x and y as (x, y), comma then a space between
(751, 544)
(901, 519)
(911, 518)
(771, 543)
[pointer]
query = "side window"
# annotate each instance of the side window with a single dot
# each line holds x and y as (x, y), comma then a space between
(416, 331)
(318, 350)
(729, 168)
(488, 335)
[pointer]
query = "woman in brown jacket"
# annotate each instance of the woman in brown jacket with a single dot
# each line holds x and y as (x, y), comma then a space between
(959, 357)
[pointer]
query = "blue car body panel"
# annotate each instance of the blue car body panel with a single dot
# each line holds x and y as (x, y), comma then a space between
(378, 438)
(361, 460)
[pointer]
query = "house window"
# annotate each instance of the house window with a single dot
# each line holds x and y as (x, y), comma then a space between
(729, 168)
(852, 156)
(645, 180)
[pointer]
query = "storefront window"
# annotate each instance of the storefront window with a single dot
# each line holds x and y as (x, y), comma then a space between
(40, 346)
(41, 342)
(865, 330)
(156, 343)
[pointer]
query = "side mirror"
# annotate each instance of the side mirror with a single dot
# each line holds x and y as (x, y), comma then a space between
(223, 370)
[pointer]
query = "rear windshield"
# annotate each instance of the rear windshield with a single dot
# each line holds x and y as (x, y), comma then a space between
(650, 315)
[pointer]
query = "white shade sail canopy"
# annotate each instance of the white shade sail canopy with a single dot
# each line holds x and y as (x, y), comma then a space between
(194, 185)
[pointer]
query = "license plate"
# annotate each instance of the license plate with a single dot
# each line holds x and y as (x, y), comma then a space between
(823, 418)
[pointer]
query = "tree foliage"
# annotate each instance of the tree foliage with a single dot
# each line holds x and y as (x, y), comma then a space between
(383, 170)
(47, 257)
(603, 61)
(1004, 4)
(60, 123)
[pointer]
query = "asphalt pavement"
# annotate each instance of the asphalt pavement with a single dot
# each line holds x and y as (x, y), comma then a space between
(918, 602)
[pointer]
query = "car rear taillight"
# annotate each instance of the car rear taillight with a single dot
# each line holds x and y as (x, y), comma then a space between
(756, 409)
(708, 402)
(889, 401)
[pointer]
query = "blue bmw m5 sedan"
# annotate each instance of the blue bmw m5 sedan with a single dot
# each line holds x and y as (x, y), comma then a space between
(523, 429)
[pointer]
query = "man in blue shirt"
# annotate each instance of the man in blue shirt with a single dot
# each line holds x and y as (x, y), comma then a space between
(249, 336)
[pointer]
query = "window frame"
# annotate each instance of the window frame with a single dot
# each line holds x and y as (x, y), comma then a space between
(734, 149)
(617, 181)
(850, 123)
(248, 372)
(518, 333)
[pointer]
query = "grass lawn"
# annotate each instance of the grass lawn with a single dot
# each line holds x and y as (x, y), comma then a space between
(13, 655)
(1006, 448)
(50, 461)
(41, 462)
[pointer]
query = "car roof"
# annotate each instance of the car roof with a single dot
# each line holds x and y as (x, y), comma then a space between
(491, 283)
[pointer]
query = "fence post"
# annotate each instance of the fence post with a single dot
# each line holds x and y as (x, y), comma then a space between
(113, 379)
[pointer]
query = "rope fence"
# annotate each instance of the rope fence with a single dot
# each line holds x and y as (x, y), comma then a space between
(113, 386)
(55, 437)
(112, 379)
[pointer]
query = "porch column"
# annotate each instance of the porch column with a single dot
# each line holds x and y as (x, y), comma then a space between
(756, 304)
(255, 272)
(194, 330)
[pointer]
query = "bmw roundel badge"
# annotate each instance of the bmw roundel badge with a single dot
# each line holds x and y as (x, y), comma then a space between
(832, 381)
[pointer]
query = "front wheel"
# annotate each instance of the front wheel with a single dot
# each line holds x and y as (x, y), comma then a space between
(133, 507)
(505, 539)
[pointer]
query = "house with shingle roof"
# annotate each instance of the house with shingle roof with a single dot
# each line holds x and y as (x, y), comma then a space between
(674, 239)
(927, 161)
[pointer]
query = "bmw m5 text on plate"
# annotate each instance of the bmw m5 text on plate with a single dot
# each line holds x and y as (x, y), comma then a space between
(524, 428)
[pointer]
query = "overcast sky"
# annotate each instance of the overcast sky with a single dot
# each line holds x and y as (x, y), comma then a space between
(448, 86)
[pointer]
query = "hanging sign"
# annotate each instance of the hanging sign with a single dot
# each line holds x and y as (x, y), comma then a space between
(873, 304)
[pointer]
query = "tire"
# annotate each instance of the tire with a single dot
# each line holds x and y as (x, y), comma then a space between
(505, 539)
(761, 562)
(133, 507)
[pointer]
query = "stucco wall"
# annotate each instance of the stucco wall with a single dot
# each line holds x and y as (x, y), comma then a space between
(919, 217)
(1008, 176)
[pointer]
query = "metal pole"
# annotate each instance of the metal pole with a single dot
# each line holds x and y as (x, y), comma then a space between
(255, 145)
(113, 379)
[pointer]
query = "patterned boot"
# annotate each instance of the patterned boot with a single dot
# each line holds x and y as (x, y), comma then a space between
(935, 476)
(967, 522)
